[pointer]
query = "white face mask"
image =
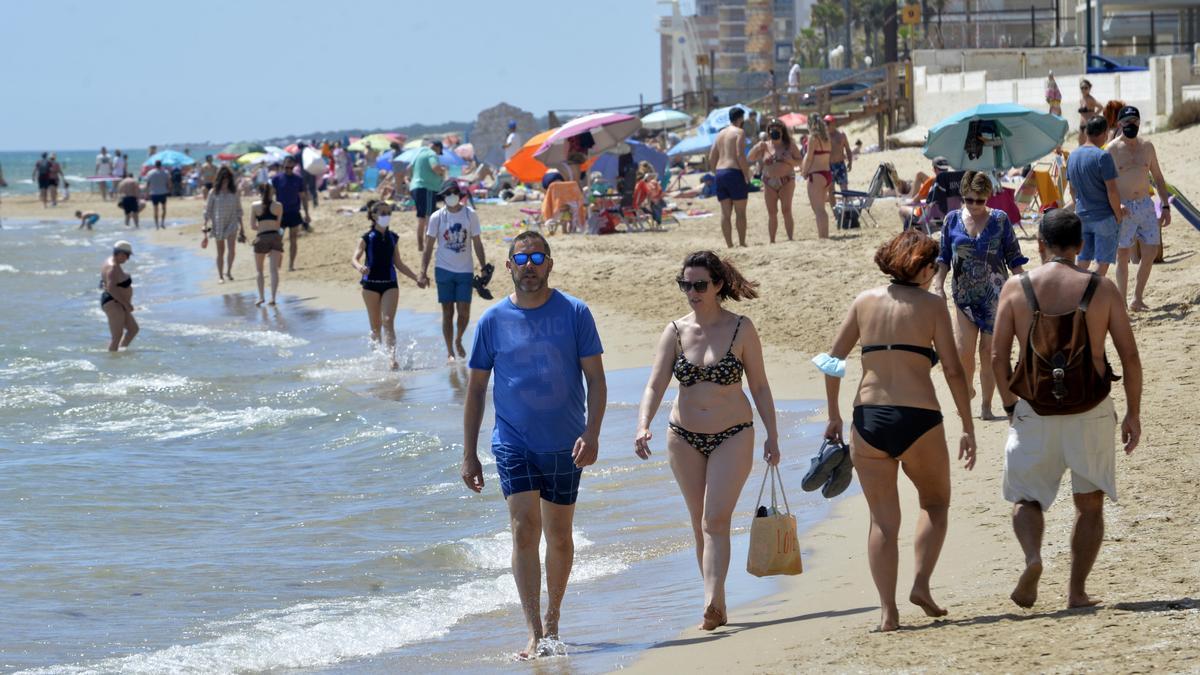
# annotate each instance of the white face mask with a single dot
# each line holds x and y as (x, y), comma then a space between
(452, 200)
(383, 221)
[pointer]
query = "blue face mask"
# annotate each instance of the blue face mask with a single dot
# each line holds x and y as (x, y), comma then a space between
(830, 365)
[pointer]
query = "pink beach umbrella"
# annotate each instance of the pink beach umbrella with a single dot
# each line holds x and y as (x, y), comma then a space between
(607, 129)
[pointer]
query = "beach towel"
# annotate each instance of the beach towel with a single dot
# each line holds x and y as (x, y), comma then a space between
(774, 546)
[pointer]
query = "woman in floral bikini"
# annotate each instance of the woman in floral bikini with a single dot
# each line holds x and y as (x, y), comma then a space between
(980, 246)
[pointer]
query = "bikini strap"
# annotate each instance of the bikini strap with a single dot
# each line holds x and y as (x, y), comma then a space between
(1027, 286)
(678, 339)
(735, 332)
(1093, 282)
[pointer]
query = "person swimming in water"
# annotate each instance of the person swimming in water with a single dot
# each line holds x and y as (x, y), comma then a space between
(711, 444)
(117, 297)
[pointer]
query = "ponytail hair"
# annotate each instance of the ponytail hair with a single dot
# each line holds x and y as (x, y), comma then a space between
(265, 192)
(734, 286)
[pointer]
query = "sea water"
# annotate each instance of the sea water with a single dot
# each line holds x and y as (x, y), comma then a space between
(251, 489)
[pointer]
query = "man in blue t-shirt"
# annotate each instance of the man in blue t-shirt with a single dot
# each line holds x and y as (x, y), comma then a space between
(291, 195)
(1092, 175)
(542, 344)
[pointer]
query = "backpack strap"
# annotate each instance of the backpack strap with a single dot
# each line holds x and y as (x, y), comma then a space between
(1093, 282)
(1030, 297)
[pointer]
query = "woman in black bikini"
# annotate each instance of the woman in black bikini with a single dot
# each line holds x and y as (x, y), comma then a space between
(815, 169)
(380, 290)
(269, 240)
(780, 157)
(897, 421)
(711, 444)
(117, 297)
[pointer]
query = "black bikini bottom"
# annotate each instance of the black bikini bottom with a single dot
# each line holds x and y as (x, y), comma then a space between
(106, 297)
(706, 443)
(893, 428)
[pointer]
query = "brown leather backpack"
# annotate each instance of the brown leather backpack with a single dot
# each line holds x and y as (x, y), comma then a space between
(1055, 373)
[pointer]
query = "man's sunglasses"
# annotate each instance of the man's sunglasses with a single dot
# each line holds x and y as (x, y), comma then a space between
(968, 200)
(698, 286)
(522, 258)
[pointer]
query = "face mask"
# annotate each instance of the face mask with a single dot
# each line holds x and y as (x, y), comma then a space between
(383, 221)
(776, 135)
(451, 200)
(1130, 130)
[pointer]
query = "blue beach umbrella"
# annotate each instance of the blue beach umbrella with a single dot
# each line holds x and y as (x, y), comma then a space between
(448, 158)
(719, 119)
(385, 160)
(607, 162)
(995, 136)
(693, 145)
(169, 158)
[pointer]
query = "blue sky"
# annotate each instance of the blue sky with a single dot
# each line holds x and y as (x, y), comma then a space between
(127, 73)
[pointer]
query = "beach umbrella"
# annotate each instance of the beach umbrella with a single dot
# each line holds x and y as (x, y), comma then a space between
(719, 119)
(606, 129)
(448, 158)
(239, 149)
(414, 143)
(385, 161)
(666, 119)
(793, 120)
(466, 151)
(523, 165)
(408, 155)
(995, 136)
(607, 163)
(378, 142)
(693, 145)
(292, 149)
(169, 158)
(252, 158)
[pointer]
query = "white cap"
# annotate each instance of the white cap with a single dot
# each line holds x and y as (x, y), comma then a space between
(123, 247)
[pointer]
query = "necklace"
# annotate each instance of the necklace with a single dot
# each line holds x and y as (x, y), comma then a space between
(1064, 261)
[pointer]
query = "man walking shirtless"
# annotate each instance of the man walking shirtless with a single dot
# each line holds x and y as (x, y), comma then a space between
(1136, 162)
(728, 158)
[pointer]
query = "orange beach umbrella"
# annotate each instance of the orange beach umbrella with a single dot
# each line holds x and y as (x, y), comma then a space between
(527, 168)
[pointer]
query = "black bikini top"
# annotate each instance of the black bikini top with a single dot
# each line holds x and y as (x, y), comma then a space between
(726, 371)
(923, 351)
(266, 213)
(128, 283)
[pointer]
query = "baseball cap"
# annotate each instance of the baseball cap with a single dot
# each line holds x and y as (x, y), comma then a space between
(829, 118)
(942, 163)
(123, 247)
(1127, 112)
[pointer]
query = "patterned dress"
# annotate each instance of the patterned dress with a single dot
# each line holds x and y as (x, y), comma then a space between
(980, 264)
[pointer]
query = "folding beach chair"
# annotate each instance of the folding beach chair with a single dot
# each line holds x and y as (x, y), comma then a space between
(1027, 196)
(853, 204)
(943, 198)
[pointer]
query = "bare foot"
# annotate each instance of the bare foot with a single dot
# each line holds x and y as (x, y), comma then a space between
(1138, 306)
(462, 351)
(985, 413)
(229, 276)
(272, 303)
(1025, 594)
(220, 279)
(924, 599)
(260, 302)
(1082, 600)
(529, 653)
(450, 359)
(713, 618)
(395, 365)
(890, 620)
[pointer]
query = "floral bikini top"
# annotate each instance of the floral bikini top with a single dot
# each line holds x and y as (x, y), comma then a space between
(726, 371)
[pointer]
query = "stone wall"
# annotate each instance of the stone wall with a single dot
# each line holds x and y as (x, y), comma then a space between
(491, 128)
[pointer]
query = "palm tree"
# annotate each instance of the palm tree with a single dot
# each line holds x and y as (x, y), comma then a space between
(808, 47)
(828, 15)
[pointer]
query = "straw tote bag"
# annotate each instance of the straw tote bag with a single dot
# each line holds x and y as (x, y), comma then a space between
(774, 546)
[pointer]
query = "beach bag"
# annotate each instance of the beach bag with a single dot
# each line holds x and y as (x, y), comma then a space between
(851, 219)
(1055, 374)
(774, 546)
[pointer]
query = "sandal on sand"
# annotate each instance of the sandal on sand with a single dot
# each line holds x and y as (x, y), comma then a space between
(840, 479)
(828, 458)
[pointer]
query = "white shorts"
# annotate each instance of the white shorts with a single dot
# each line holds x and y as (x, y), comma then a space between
(1141, 225)
(1040, 449)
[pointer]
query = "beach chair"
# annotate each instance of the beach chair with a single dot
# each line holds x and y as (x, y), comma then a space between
(851, 205)
(943, 198)
(564, 197)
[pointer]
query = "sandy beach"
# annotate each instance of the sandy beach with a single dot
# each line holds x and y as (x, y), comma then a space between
(1147, 573)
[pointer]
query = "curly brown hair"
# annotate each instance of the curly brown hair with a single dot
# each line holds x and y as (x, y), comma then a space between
(734, 286)
(906, 254)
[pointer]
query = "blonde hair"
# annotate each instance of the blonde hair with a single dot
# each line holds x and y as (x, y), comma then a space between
(643, 169)
(817, 128)
(976, 183)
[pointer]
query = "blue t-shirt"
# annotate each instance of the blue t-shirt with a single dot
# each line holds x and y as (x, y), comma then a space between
(534, 358)
(288, 187)
(1087, 169)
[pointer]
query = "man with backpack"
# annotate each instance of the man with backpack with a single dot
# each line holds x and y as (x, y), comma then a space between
(1057, 398)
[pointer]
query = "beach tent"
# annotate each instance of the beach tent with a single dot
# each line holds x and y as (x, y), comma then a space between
(169, 159)
(607, 163)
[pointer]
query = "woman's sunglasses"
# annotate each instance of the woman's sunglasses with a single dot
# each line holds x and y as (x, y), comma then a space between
(698, 286)
(522, 258)
(968, 200)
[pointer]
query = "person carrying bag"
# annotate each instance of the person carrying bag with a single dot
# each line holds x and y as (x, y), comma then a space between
(774, 546)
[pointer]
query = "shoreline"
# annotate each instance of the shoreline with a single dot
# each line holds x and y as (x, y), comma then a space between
(821, 620)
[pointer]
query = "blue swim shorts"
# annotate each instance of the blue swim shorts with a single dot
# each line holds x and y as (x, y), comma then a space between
(1099, 241)
(452, 286)
(841, 175)
(553, 474)
(1141, 225)
(423, 199)
(731, 184)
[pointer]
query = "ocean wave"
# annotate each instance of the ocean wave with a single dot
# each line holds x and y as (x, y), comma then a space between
(9, 268)
(124, 386)
(156, 421)
(257, 338)
(324, 633)
(32, 366)
(24, 397)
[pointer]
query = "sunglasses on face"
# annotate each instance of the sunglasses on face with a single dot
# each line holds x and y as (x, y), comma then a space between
(698, 286)
(968, 200)
(522, 258)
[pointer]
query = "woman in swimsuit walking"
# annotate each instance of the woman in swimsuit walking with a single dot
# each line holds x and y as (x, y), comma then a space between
(116, 300)
(815, 169)
(980, 247)
(380, 290)
(897, 421)
(711, 444)
(780, 157)
(269, 240)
